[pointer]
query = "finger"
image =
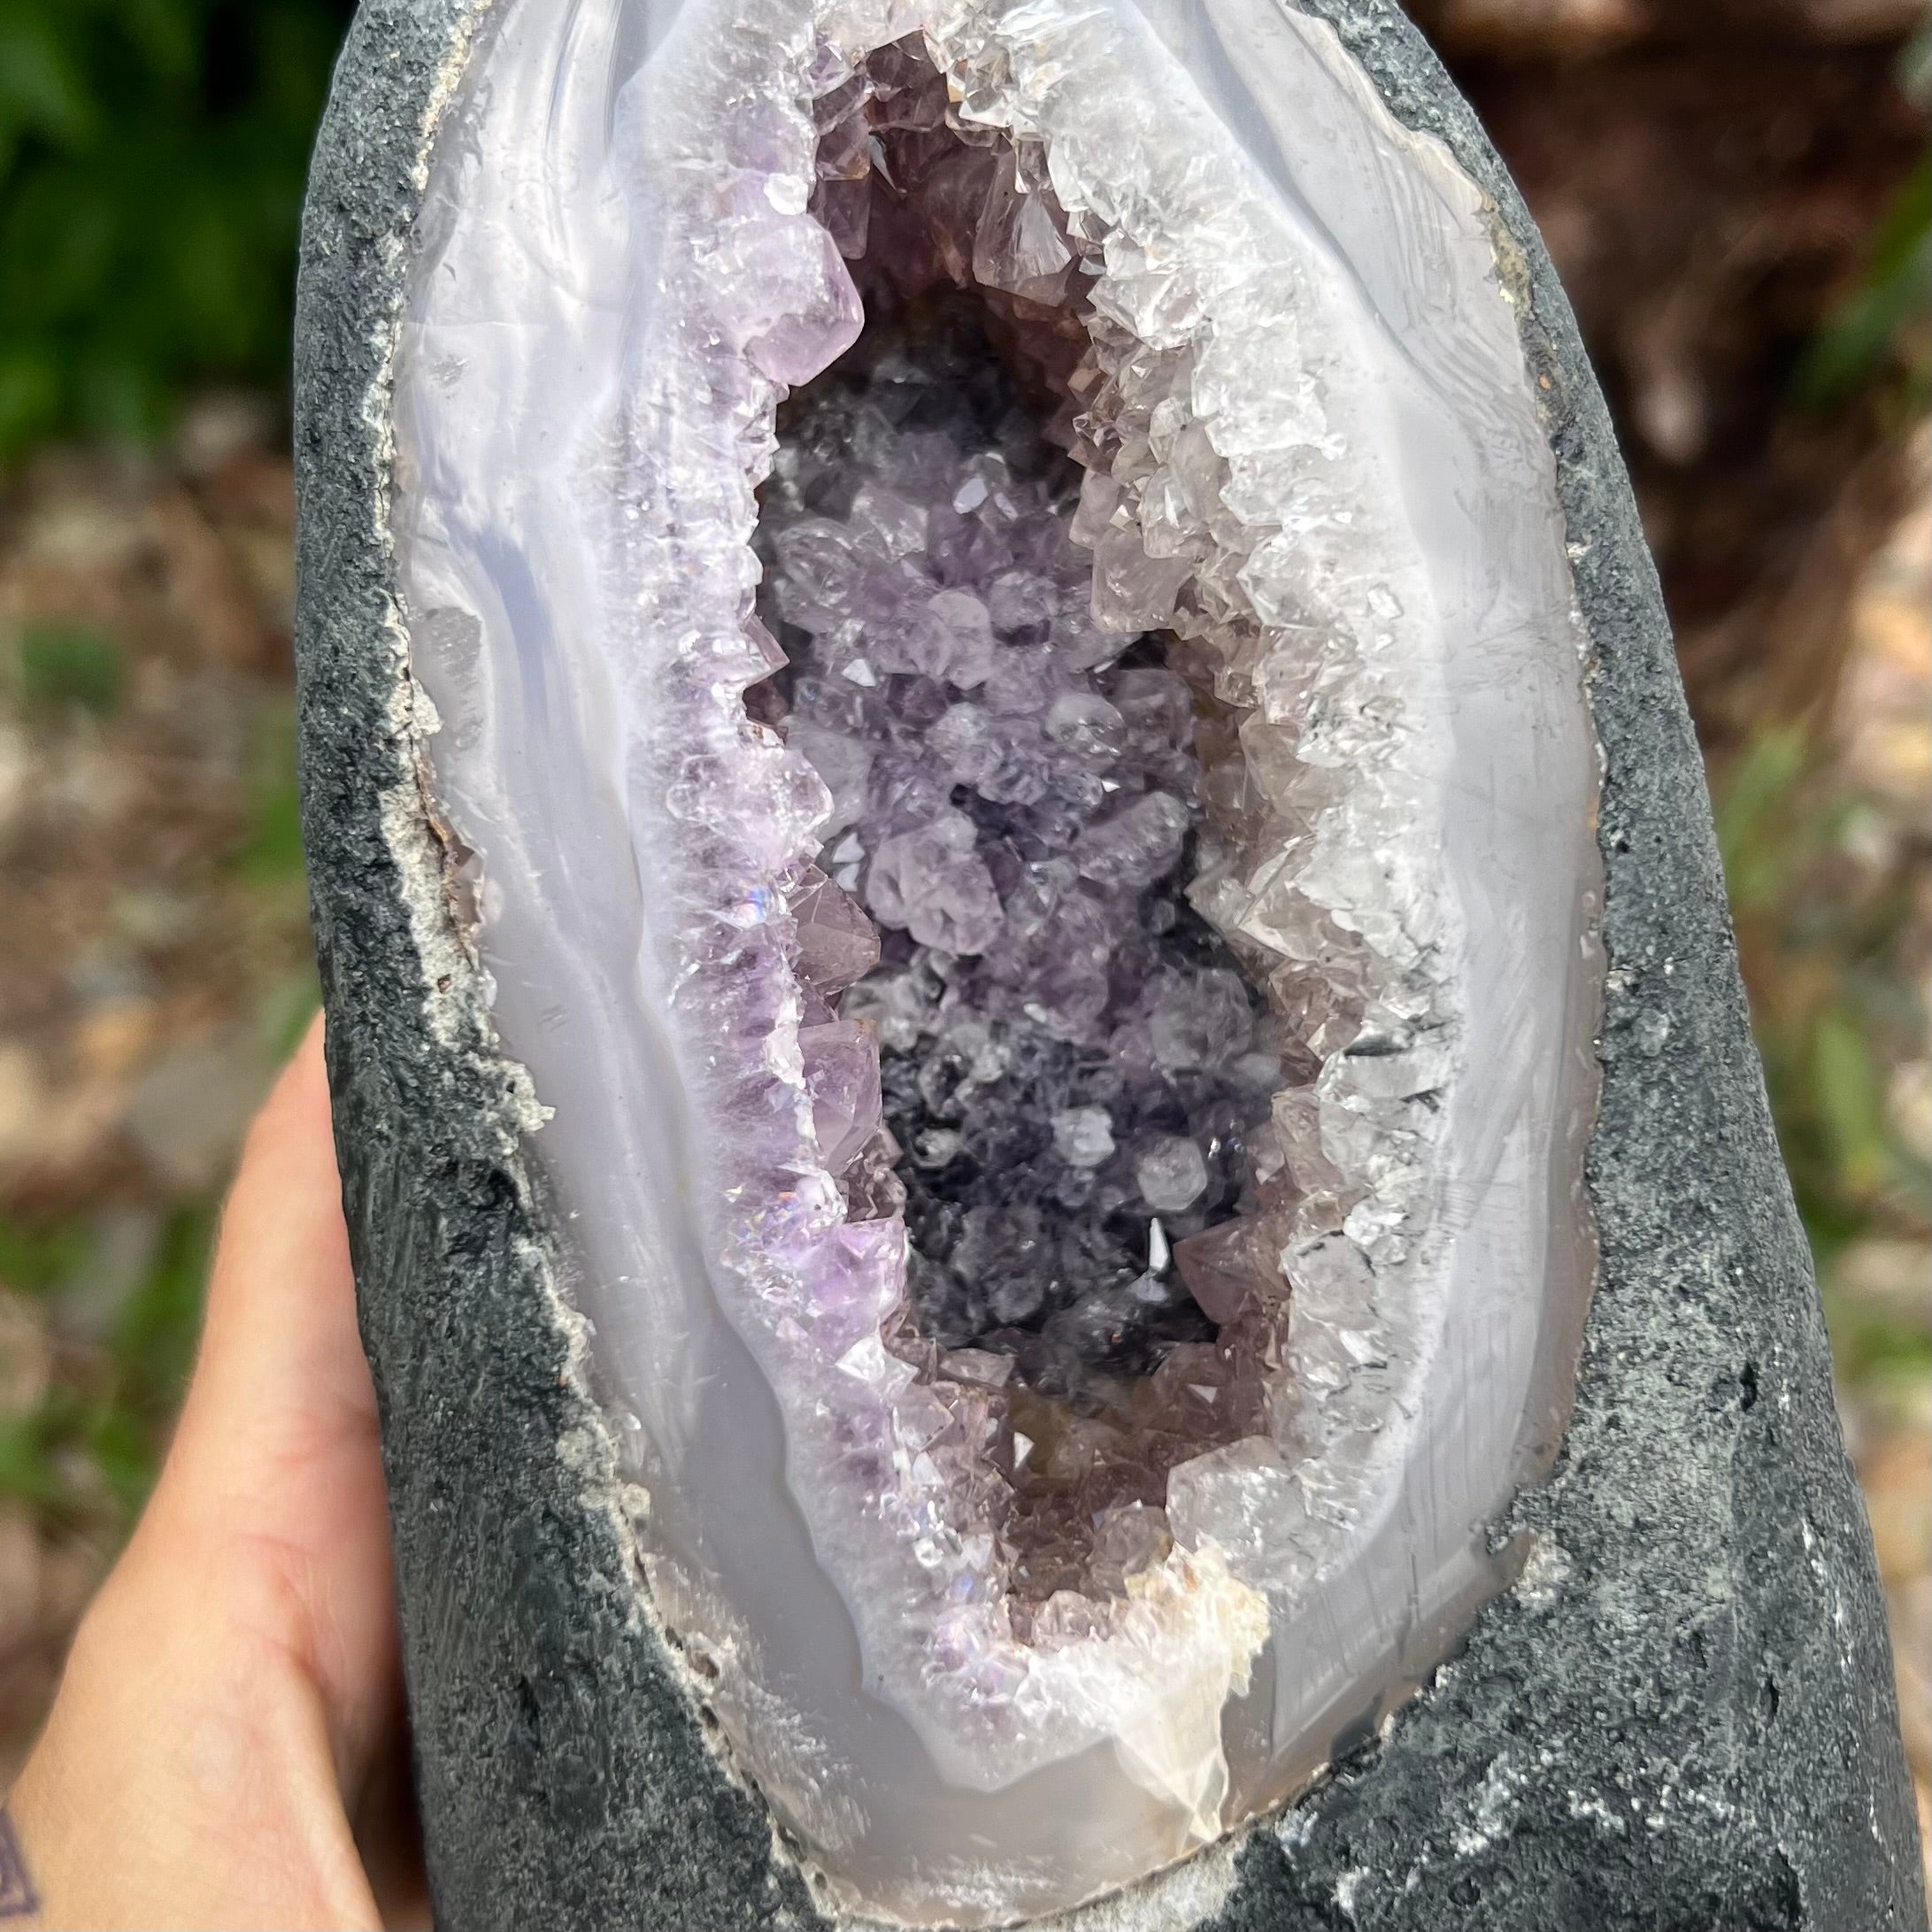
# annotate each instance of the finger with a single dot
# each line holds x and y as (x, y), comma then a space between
(276, 1464)
(280, 1350)
(238, 1672)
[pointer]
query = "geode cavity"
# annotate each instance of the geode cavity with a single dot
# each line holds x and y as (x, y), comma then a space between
(1009, 718)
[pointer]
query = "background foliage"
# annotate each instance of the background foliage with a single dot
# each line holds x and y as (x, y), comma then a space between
(151, 163)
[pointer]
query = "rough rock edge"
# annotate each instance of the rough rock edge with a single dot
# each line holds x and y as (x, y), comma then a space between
(1685, 1718)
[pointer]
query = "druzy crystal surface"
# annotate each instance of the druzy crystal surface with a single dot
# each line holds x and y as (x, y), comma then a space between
(998, 672)
(1070, 1064)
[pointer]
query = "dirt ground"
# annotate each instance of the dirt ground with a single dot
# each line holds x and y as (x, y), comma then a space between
(1707, 212)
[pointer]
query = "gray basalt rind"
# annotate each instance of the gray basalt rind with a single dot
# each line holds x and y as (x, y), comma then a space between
(1682, 1718)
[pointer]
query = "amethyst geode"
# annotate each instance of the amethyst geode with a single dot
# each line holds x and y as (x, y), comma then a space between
(987, 759)
(1064, 1029)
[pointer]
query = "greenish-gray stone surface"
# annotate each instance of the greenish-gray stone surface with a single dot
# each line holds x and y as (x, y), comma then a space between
(1684, 1716)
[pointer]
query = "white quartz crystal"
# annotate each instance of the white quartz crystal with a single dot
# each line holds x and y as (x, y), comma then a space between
(1314, 462)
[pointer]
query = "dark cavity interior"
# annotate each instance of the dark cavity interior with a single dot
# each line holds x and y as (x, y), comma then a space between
(1067, 1052)
(1071, 1062)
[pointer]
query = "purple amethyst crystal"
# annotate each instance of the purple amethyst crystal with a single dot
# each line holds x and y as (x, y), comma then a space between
(1075, 1064)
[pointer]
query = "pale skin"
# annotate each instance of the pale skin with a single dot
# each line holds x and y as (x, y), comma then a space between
(226, 1747)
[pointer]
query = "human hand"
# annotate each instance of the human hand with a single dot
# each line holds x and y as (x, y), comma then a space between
(232, 1708)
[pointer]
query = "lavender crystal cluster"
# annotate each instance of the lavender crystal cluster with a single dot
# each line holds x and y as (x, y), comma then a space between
(1070, 1062)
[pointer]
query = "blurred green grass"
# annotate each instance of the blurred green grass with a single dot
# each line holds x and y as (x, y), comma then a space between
(1824, 1026)
(1825, 938)
(68, 667)
(87, 1453)
(1896, 283)
(152, 154)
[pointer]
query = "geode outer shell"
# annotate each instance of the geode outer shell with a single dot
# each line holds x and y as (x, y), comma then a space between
(1684, 1712)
